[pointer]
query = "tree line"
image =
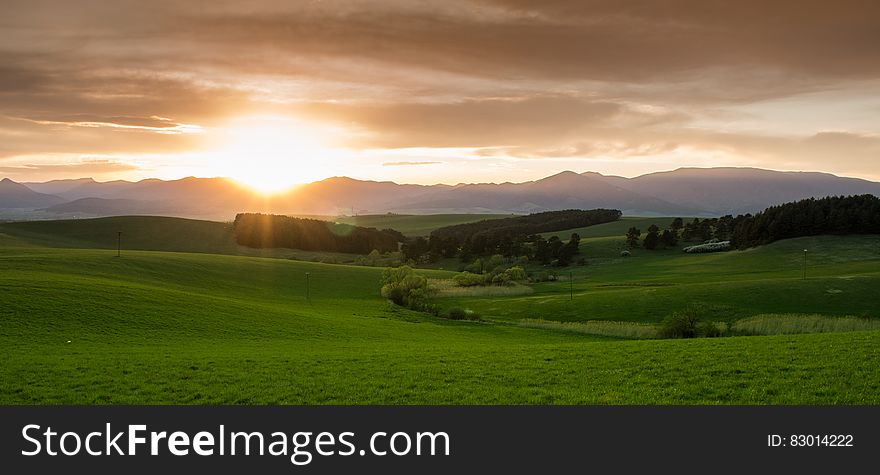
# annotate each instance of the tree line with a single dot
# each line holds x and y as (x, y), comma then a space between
(859, 214)
(259, 230)
(509, 237)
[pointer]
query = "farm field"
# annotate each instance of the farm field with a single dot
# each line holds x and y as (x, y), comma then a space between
(81, 326)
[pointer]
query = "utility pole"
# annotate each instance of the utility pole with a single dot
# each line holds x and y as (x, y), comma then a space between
(308, 297)
(118, 243)
(805, 264)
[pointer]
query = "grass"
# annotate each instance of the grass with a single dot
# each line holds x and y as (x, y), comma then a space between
(774, 324)
(446, 288)
(160, 233)
(199, 328)
(414, 224)
(843, 273)
(616, 228)
(634, 331)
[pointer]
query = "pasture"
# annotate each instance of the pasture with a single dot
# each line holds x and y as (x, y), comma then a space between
(81, 326)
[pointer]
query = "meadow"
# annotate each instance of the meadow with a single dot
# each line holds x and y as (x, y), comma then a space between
(82, 326)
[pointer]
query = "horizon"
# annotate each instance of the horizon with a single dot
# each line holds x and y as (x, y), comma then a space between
(417, 93)
(292, 187)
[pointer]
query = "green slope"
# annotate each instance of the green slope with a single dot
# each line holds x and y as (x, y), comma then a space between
(157, 327)
(160, 233)
(616, 228)
(416, 225)
(843, 273)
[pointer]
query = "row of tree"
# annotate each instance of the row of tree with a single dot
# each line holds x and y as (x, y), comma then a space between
(509, 237)
(268, 231)
(832, 215)
(654, 239)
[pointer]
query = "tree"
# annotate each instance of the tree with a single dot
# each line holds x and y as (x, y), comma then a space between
(677, 225)
(652, 238)
(632, 237)
(403, 287)
(668, 238)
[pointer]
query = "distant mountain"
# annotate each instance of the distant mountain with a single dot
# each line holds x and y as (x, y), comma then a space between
(15, 195)
(561, 191)
(338, 195)
(59, 187)
(721, 191)
(113, 207)
(682, 192)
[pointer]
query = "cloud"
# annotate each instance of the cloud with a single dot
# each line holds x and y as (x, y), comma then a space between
(408, 164)
(474, 122)
(93, 166)
(156, 124)
(575, 78)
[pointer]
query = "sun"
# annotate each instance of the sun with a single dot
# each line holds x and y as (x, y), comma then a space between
(274, 153)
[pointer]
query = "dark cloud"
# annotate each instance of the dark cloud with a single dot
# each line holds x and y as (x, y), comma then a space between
(472, 123)
(619, 78)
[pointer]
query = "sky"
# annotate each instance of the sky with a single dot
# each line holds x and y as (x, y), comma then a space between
(274, 93)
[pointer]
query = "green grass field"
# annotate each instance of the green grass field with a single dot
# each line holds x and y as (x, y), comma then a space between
(843, 273)
(413, 224)
(159, 233)
(615, 228)
(81, 326)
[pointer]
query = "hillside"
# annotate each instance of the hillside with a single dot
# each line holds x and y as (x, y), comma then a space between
(188, 235)
(721, 191)
(163, 328)
(16, 195)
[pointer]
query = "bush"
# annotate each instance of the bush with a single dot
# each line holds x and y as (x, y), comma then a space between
(679, 325)
(403, 287)
(708, 247)
(709, 330)
(545, 277)
(516, 274)
(467, 279)
(458, 313)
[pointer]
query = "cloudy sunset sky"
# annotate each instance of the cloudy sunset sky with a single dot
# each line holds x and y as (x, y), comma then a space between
(274, 93)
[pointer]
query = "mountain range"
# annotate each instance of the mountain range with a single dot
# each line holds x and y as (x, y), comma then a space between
(682, 192)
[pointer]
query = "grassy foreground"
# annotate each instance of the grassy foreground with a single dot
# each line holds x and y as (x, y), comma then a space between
(82, 326)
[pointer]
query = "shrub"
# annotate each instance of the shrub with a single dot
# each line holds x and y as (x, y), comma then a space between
(516, 274)
(403, 287)
(709, 330)
(545, 277)
(467, 279)
(679, 325)
(458, 313)
(708, 247)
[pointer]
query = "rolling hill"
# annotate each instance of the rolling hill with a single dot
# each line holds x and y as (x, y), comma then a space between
(15, 195)
(85, 327)
(682, 192)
